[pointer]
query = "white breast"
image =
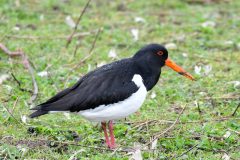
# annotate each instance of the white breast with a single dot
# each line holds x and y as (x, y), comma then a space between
(120, 109)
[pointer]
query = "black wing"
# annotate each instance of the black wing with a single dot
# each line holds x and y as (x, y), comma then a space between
(109, 84)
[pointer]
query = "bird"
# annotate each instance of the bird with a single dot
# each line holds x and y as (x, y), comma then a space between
(113, 91)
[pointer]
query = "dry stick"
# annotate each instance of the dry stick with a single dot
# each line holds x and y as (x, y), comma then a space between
(90, 51)
(75, 50)
(76, 26)
(19, 84)
(185, 151)
(144, 123)
(77, 35)
(27, 65)
(35, 86)
(85, 58)
(14, 105)
(187, 122)
(211, 98)
(198, 107)
(168, 129)
(12, 115)
(235, 111)
(234, 131)
(119, 149)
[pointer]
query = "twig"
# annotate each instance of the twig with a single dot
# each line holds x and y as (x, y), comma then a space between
(185, 151)
(76, 153)
(90, 51)
(168, 129)
(235, 111)
(19, 84)
(8, 52)
(12, 115)
(230, 97)
(27, 37)
(14, 106)
(27, 65)
(144, 123)
(234, 131)
(187, 122)
(198, 107)
(77, 23)
(35, 86)
(75, 50)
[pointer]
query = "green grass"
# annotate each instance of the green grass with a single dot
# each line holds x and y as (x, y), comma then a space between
(166, 22)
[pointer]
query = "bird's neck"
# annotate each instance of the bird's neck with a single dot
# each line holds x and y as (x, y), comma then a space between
(149, 73)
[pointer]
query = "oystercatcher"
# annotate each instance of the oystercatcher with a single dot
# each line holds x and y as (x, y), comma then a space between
(113, 91)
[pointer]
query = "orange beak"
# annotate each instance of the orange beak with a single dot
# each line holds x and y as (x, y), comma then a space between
(178, 69)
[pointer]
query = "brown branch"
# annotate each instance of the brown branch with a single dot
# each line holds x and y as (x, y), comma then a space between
(187, 122)
(26, 64)
(77, 23)
(234, 131)
(90, 51)
(8, 52)
(27, 37)
(168, 129)
(198, 107)
(185, 152)
(235, 111)
(230, 97)
(11, 115)
(20, 84)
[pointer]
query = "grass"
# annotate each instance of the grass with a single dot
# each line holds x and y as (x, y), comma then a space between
(178, 22)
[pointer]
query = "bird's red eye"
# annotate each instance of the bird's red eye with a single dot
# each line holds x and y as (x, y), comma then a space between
(160, 53)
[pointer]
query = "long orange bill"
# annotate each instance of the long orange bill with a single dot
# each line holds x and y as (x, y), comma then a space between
(178, 69)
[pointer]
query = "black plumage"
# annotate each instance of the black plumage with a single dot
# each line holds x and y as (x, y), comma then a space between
(108, 84)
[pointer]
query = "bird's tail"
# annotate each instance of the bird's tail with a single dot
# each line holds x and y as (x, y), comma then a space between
(38, 113)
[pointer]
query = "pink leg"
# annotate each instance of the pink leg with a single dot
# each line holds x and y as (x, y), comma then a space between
(110, 125)
(104, 127)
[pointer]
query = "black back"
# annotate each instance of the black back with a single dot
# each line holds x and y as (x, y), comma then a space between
(108, 84)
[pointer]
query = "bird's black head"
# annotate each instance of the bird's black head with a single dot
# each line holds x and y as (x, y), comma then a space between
(154, 56)
(154, 53)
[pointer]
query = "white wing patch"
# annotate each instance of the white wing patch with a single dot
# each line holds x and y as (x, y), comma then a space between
(120, 109)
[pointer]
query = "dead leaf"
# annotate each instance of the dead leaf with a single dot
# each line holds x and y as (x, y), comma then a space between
(226, 157)
(69, 21)
(112, 53)
(238, 46)
(3, 78)
(42, 74)
(229, 43)
(153, 95)
(89, 68)
(171, 46)
(24, 119)
(41, 17)
(139, 20)
(135, 33)
(185, 55)
(208, 24)
(197, 69)
(67, 115)
(154, 144)
(227, 135)
(101, 64)
(236, 84)
(137, 155)
(207, 69)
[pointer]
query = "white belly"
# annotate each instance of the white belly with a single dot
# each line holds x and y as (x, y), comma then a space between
(120, 109)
